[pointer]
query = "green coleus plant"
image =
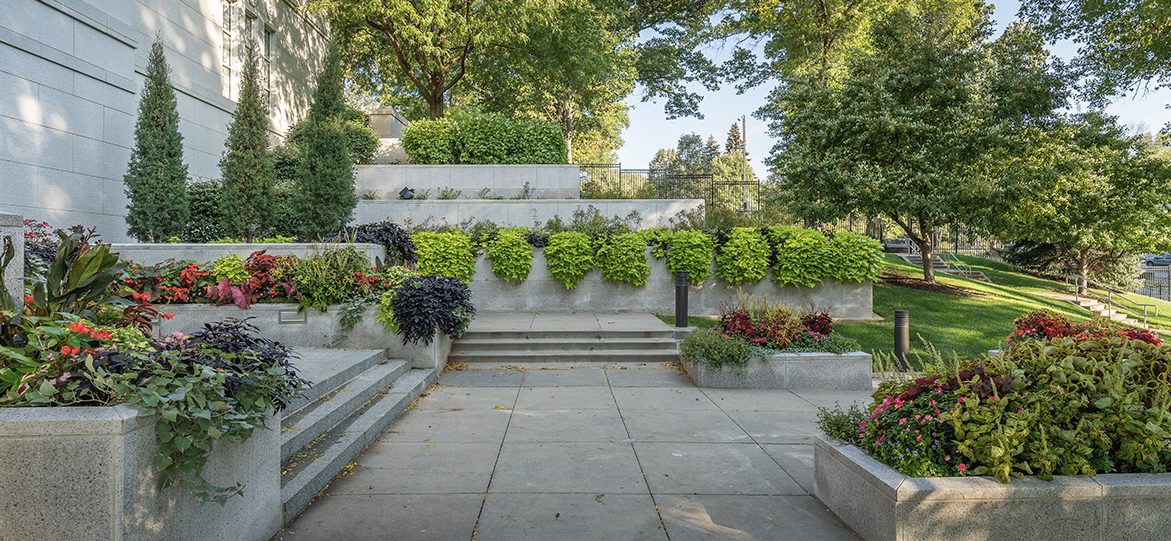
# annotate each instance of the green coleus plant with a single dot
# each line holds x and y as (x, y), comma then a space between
(804, 256)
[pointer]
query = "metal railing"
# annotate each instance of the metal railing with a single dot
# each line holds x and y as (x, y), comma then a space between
(611, 180)
(1113, 299)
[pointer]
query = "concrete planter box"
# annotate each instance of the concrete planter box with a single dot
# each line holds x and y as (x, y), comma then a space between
(849, 371)
(152, 254)
(541, 293)
(879, 503)
(518, 212)
(87, 473)
(311, 328)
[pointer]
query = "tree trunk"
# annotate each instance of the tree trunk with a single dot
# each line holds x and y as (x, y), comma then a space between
(928, 265)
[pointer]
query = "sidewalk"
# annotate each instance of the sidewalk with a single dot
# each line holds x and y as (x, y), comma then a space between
(615, 453)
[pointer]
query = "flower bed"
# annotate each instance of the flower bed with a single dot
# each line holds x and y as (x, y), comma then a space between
(845, 371)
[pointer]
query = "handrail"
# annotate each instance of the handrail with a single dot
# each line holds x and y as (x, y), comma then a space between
(1081, 284)
(960, 265)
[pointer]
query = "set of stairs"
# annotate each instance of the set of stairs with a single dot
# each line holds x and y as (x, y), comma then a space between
(356, 393)
(521, 348)
(1100, 308)
(940, 265)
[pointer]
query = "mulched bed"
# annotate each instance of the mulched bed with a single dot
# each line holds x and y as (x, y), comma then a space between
(904, 280)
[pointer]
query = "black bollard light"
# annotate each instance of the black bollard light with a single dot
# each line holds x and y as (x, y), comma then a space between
(681, 298)
(902, 338)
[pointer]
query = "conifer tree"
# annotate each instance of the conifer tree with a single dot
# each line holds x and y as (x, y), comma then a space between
(246, 170)
(156, 178)
(324, 198)
(734, 143)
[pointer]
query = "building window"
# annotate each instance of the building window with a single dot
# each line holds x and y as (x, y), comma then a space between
(266, 67)
(226, 29)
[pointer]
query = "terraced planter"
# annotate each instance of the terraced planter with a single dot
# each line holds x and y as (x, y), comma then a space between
(879, 503)
(87, 473)
(851, 371)
(311, 328)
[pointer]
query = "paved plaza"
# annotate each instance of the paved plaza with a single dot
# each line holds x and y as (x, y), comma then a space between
(615, 452)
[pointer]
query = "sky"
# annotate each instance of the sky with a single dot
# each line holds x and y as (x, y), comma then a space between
(650, 130)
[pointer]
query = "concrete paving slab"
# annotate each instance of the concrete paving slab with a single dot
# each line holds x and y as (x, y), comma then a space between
(420, 468)
(796, 459)
(588, 468)
(501, 322)
(482, 378)
(826, 399)
(631, 322)
(712, 468)
(565, 322)
(553, 398)
(650, 376)
(682, 398)
(566, 426)
(759, 400)
(433, 426)
(565, 517)
(579, 377)
(383, 517)
(695, 426)
(776, 426)
(468, 398)
(749, 518)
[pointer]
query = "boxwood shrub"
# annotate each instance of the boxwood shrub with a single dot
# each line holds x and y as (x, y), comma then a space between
(489, 138)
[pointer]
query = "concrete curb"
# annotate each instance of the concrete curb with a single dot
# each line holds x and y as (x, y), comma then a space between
(851, 371)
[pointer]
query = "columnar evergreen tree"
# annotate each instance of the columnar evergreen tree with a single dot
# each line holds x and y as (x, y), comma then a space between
(324, 199)
(247, 196)
(734, 143)
(156, 178)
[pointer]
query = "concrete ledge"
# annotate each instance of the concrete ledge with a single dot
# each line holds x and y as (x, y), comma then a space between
(547, 181)
(849, 371)
(518, 212)
(311, 328)
(88, 473)
(880, 503)
(153, 254)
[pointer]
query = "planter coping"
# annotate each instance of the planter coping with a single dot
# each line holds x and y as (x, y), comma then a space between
(71, 421)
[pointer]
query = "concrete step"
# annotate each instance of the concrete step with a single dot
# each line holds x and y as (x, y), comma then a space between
(520, 358)
(465, 345)
(667, 332)
(310, 470)
(308, 423)
(328, 368)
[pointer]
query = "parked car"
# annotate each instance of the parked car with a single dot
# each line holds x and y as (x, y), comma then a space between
(1157, 260)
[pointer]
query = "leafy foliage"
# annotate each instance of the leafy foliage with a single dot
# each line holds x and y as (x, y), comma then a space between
(79, 277)
(361, 139)
(328, 278)
(511, 255)
(622, 258)
(840, 424)
(205, 201)
(246, 171)
(690, 251)
(156, 178)
(400, 250)
(569, 257)
(803, 257)
(484, 139)
(714, 349)
(445, 254)
(424, 304)
(856, 258)
(743, 256)
(429, 141)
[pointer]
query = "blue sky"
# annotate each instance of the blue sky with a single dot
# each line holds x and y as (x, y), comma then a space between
(650, 131)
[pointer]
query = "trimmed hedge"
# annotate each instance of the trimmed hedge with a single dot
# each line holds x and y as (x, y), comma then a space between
(483, 139)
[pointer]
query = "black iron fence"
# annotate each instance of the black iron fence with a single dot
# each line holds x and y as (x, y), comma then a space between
(611, 181)
(960, 240)
(1156, 283)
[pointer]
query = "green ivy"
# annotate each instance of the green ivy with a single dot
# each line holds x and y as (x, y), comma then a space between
(445, 254)
(691, 251)
(568, 257)
(511, 255)
(623, 259)
(858, 258)
(429, 142)
(744, 257)
(804, 256)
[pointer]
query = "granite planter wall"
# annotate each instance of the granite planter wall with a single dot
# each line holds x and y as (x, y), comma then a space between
(151, 254)
(311, 328)
(541, 293)
(87, 473)
(849, 371)
(879, 503)
(549, 181)
(519, 212)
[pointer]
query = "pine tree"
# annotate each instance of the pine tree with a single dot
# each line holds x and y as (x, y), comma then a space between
(324, 199)
(246, 170)
(735, 143)
(156, 178)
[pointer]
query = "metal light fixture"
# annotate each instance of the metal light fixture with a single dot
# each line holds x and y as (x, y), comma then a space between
(407, 193)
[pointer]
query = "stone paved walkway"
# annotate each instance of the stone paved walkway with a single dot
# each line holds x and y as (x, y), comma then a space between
(624, 452)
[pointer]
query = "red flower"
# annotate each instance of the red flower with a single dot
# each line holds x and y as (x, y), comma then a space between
(79, 327)
(167, 316)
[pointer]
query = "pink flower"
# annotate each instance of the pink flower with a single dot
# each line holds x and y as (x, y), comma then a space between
(919, 437)
(960, 399)
(947, 458)
(962, 467)
(903, 421)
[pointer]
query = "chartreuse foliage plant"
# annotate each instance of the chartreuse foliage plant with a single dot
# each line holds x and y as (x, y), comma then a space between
(445, 254)
(511, 255)
(622, 258)
(393, 278)
(429, 142)
(857, 258)
(690, 251)
(743, 257)
(804, 256)
(568, 257)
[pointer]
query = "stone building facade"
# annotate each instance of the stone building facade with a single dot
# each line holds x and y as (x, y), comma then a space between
(71, 70)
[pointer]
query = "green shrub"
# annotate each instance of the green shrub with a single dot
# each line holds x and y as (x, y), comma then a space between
(206, 221)
(511, 255)
(691, 251)
(484, 139)
(429, 142)
(568, 257)
(623, 259)
(744, 257)
(804, 256)
(327, 278)
(445, 254)
(393, 278)
(249, 208)
(539, 142)
(842, 425)
(857, 258)
(715, 350)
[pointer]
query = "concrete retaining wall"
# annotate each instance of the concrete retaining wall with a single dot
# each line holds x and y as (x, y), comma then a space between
(520, 212)
(849, 371)
(311, 328)
(12, 227)
(151, 254)
(879, 503)
(541, 293)
(87, 473)
(507, 181)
